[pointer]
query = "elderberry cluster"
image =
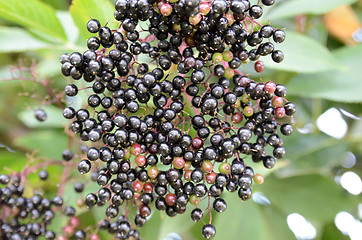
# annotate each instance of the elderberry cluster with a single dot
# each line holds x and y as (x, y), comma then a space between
(167, 112)
(26, 218)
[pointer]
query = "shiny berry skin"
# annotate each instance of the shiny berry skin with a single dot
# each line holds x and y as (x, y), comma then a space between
(286, 129)
(178, 163)
(278, 36)
(224, 168)
(255, 11)
(71, 90)
(270, 87)
(208, 231)
(40, 115)
(145, 210)
(259, 66)
(258, 178)
(197, 143)
(277, 56)
(4, 179)
(279, 152)
(194, 200)
(84, 166)
(237, 117)
(244, 194)
(170, 199)
(290, 108)
(277, 101)
(166, 9)
(269, 162)
(43, 175)
(196, 214)
(279, 112)
(219, 205)
(93, 26)
(268, 2)
(248, 111)
(140, 160)
(136, 149)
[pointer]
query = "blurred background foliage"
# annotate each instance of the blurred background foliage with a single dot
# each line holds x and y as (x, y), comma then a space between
(301, 197)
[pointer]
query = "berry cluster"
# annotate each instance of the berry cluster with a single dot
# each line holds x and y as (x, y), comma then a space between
(27, 218)
(138, 117)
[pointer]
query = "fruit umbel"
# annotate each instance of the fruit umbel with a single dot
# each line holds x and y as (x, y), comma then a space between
(175, 98)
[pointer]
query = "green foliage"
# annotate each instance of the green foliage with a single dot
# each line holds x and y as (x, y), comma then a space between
(293, 8)
(34, 15)
(251, 221)
(303, 55)
(342, 85)
(83, 10)
(19, 40)
(307, 195)
(318, 75)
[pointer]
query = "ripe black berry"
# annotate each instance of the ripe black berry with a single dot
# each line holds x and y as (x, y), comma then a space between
(208, 231)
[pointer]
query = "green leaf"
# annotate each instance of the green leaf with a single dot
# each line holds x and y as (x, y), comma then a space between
(314, 196)
(331, 232)
(159, 226)
(48, 143)
(12, 161)
(302, 54)
(293, 8)
(343, 85)
(15, 39)
(249, 220)
(312, 153)
(69, 26)
(83, 10)
(34, 15)
(53, 120)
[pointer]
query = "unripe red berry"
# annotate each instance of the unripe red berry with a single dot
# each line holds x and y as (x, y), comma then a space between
(207, 166)
(140, 160)
(210, 177)
(187, 175)
(170, 199)
(178, 162)
(277, 101)
(68, 230)
(136, 149)
(279, 112)
(204, 8)
(237, 117)
(145, 211)
(194, 20)
(270, 87)
(187, 166)
(137, 186)
(166, 9)
(197, 143)
(148, 187)
(94, 236)
(259, 66)
(136, 196)
(74, 222)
